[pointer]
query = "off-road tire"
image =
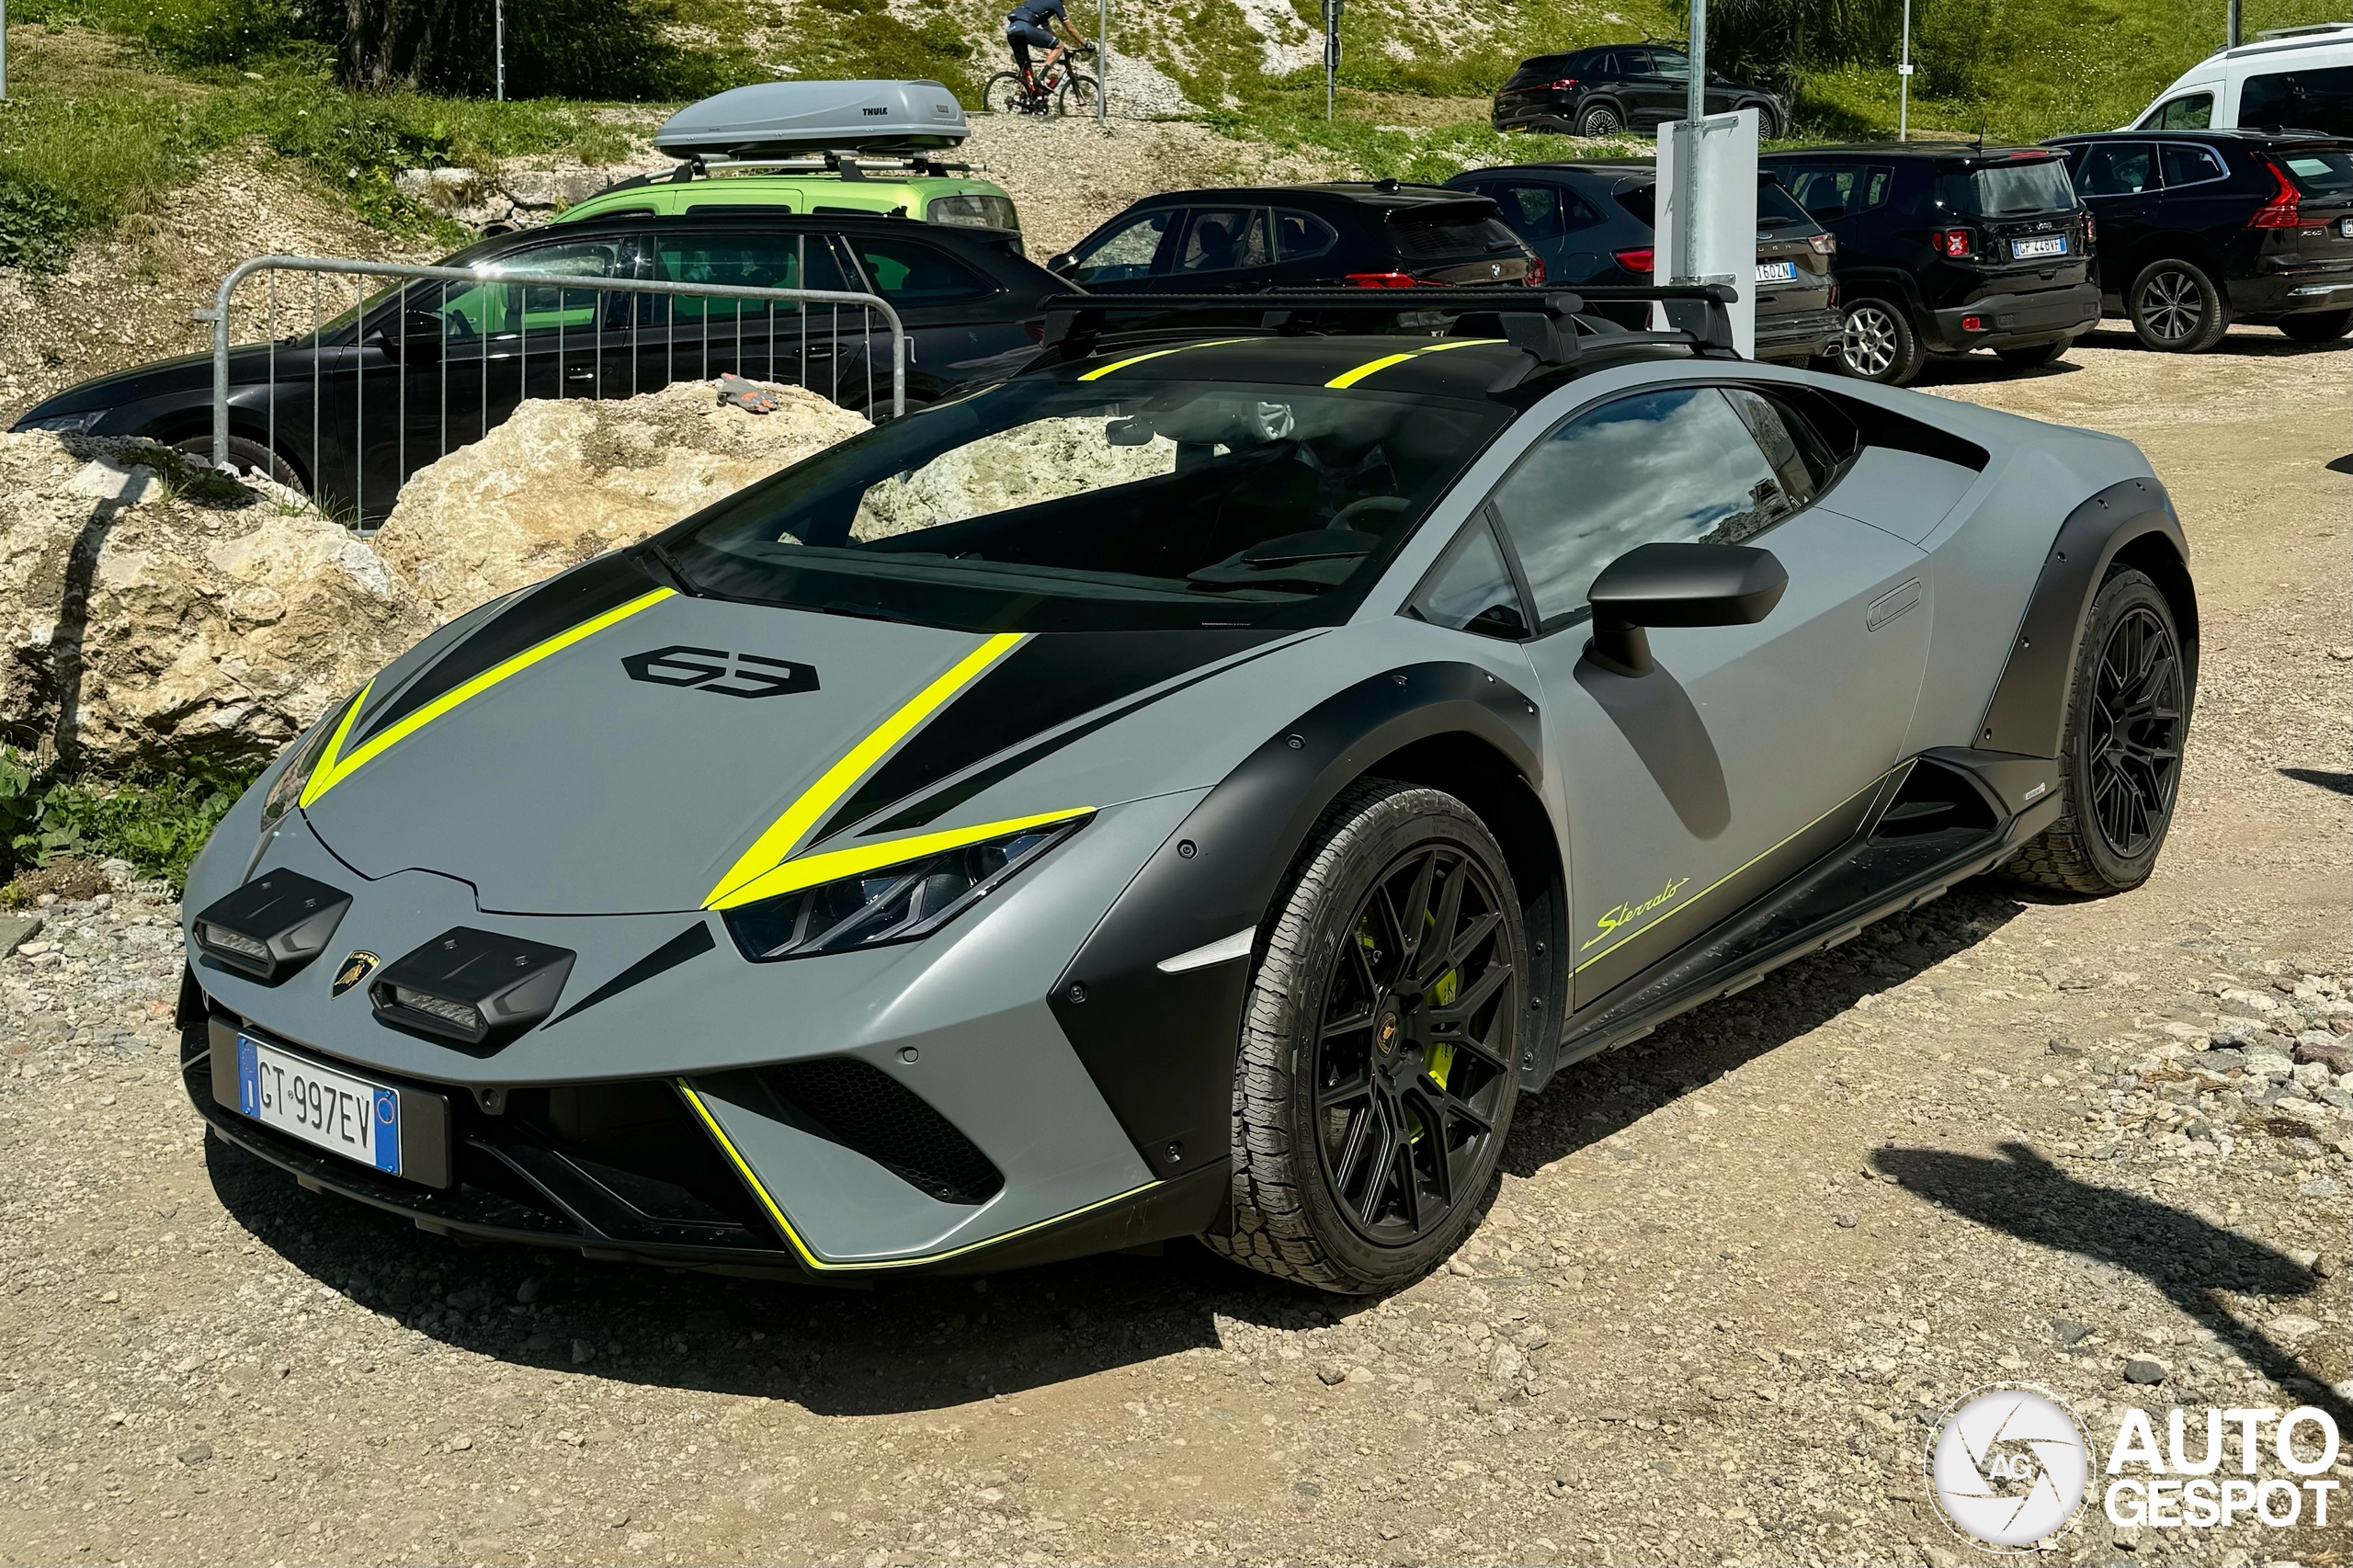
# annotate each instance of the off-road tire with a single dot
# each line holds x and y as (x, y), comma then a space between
(1286, 1221)
(1601, 120)
(2075, 854)
(2175, 308)
(2317, 326)
(1877, 343)
(1006, 94)
(2033, 357)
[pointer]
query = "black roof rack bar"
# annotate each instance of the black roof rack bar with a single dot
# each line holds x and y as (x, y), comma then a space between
(1537, 320)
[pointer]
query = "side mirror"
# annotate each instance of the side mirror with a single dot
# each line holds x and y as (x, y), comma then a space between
(1061, 265)
(1677, 585)
(416, 336)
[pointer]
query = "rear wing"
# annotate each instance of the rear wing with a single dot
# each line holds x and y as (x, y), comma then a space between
(1549, 324)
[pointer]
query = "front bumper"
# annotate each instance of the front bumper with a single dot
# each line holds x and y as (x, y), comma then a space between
(1797, 335)
(2018, 320)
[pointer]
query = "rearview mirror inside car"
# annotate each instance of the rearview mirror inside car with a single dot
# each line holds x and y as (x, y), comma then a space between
(1677, 585)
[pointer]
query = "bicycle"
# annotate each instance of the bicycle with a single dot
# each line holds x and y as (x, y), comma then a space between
(1057, 90)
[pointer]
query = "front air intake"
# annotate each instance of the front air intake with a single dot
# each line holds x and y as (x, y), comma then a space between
(861, 1106)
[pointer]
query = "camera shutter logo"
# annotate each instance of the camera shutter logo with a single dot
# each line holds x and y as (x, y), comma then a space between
(2008, 1466)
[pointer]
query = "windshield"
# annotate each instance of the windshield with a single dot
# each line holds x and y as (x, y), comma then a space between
(1044, 505)
(2017, 191)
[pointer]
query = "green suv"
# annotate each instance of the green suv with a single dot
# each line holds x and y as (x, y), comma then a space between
(935, 197)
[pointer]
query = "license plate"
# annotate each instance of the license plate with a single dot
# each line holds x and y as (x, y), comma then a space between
(2045, 244)
(1775, 271)
(321, 1105)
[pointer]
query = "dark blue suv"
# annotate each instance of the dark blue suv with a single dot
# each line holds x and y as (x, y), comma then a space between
(1618, 87)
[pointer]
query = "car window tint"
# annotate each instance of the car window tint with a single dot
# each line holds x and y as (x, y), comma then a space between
(1298, 235)
(1675, 465)
(2318, 172)
(1612, 63)
(2186, 163)
(741, 261)
(1472, 590)
(494, 308)
(1221, 239)
(2300, 100)
(1840, 190)
(1669, 65)
(1532, 211)
(1781, 435)
(908, 272)
(1776, 209)
(2118, 168)
(1125, 252)
(2191, 111)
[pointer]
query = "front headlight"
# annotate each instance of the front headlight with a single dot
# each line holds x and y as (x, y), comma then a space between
(66, 424)
(897, 902)
(306, 750)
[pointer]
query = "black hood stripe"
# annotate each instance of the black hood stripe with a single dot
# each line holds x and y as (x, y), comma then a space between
(1049, 680)
(956, 791)
(537, 613)
(690, 943)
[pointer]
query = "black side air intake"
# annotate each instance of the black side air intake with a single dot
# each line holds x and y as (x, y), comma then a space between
(861, 1106)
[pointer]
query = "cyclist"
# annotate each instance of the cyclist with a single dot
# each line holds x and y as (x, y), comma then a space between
(1026, 26)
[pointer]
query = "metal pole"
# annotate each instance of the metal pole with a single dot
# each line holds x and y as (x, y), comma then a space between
(1904, 78)
(1687, 217)
(1102, 59)
(4, 47)
(1331, 55)
(2234, 26)
(498, 46)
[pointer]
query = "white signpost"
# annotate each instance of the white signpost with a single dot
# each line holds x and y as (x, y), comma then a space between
(1713, 238)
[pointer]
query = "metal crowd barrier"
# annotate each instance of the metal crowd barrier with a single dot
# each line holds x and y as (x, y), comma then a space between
(450, 351)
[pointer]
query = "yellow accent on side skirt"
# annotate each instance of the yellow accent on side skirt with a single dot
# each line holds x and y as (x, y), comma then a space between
(810, 870)
(1098, 375)
(1348, 378)
(785, 833)
(335, 767)
(776, 1211)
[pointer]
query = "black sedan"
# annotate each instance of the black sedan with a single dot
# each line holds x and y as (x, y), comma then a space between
(2201, 228)
(1620, 87)
(1591, 223)
(345, 407)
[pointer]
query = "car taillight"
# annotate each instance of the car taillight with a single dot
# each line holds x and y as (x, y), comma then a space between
(1382, 281)
(1824, 245)
(1562, 84)
(2280, 212)
(1973, 323)
(1535, 275)
(1958, 244)
(2090, 229)
(1636, 260)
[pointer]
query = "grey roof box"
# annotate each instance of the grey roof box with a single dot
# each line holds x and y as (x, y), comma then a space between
(808, 117)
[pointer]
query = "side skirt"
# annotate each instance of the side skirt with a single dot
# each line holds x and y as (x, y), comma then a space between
(1954, 814)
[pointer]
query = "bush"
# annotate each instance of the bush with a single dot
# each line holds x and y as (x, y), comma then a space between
(157, 821)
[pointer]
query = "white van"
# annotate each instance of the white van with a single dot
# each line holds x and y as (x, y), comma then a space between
(2294, 79)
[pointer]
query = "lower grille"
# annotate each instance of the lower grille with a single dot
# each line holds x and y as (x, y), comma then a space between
(862, 1107)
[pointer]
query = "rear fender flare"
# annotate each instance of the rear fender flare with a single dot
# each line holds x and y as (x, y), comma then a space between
(2131, 521)
(1160, 1047)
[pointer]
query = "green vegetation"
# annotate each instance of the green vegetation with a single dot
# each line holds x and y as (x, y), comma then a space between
(157, 821)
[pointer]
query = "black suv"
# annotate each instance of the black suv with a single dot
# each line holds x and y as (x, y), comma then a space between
(1592, 222)
(1380, 235)
(2201, 228)
(1945, 247)
(1621, 86)
(346, 412)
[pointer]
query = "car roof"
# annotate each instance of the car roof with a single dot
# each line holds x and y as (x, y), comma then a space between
(2248, 135)
(708, 214)
(1967, 151)
(1379, 195)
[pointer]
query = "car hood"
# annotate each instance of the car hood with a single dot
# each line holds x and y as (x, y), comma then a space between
(160, 378)
(601, 744)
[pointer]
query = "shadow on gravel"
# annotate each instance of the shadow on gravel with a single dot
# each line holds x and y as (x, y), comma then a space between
(932, 1344)
(2342, 783)
(2190, 1260)
(1594, 1100)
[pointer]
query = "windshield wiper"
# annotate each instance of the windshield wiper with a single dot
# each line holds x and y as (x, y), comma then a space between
(669, 567)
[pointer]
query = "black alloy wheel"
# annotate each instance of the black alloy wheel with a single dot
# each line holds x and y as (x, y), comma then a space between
(2177, 309)
(2134, 742)
(1381, 1045)
(2119, 762)
(1410, 1054)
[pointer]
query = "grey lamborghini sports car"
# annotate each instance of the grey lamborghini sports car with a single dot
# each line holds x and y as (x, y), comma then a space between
(1192, 787)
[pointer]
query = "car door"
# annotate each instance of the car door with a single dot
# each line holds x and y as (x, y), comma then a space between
(1748, 751)
(1651, 98)
(2118, 182)
(1129, 255)
(1223, 249)
(953, 312)
(690, 337)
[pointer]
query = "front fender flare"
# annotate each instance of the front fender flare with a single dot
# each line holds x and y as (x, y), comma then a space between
(1160, 1047)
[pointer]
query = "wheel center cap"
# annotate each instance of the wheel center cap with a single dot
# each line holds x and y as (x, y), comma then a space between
(1385, 1034)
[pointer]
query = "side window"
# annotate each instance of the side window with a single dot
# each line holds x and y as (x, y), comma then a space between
(1298, 235)
(1126, 251)
(2186, 163)
(1221, 239)
(2300, 100)
(1676, 465)
(1470, 588)
(1668, 65)
(1799, 459)
(908, 272)
(1828, 191)
(2118, 168)
(490, 309)
(742, 261)
(1532, 211)
(2191, 111)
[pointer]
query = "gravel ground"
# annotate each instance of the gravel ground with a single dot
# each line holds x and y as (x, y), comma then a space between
(1730, 1277)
